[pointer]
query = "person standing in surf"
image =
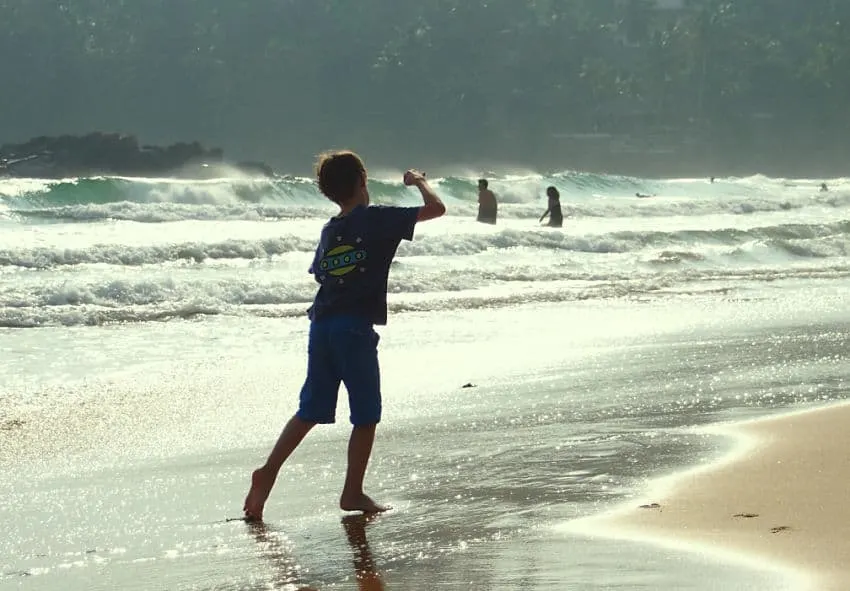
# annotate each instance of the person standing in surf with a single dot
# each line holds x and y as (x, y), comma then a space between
(556, 218)
(487, 205)
(351, 266)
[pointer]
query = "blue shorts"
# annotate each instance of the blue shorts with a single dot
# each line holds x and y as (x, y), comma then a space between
(342, 349)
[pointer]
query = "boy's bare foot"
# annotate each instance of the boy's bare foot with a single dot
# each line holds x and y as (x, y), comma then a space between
(361, 502)
(261, 487)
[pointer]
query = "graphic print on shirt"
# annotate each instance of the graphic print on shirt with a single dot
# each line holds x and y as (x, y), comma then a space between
(342, 260)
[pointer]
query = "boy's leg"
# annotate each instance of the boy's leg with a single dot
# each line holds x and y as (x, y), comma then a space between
(359, 450)
(317, 405)
(263, 478)
(356, 353)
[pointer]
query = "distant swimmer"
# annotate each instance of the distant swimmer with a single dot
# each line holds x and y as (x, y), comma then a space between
(643, 196)
(556, 218)
(487, 205)
(711, 180)
(823, 188)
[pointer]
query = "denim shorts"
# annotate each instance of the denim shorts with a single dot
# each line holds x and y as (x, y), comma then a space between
(342, 349)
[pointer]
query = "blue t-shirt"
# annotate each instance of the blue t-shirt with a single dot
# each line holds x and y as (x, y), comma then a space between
(352, 261)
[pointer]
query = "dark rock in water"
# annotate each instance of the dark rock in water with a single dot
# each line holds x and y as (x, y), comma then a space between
(470, 385)
(117, 154)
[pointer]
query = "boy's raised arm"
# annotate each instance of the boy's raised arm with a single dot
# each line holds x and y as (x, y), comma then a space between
(432, 205)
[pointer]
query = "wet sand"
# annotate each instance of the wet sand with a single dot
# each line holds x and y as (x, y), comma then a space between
(781, 497)
(165, 526)
(125, 479)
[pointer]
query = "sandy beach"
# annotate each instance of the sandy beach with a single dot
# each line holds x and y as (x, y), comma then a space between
(779, 498)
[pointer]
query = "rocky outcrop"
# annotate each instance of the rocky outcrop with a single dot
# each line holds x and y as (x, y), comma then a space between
(118, 155)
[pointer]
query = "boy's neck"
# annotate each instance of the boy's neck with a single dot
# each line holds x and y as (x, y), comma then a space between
(349, 206)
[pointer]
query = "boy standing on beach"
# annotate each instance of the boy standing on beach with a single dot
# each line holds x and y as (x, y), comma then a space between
(351, 265)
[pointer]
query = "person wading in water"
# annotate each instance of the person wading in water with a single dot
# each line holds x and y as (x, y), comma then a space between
(487, 206)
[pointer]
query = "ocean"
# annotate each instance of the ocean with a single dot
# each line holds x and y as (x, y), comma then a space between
(153, 338)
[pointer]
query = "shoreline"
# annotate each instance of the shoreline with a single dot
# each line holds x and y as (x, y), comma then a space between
(773, 502)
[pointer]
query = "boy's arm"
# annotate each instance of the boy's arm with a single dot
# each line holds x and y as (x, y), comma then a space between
(432, 205)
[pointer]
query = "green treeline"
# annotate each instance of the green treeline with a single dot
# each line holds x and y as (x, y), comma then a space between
(279, 79)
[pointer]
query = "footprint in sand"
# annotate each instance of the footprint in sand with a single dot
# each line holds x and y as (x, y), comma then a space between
(776, 530)
(746, 515)
(12, 424)
(650, 506)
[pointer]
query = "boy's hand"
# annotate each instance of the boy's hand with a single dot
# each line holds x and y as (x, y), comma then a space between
(432, 207)
(413, 177)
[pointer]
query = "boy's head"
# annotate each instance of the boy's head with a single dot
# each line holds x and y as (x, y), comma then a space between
(552, 192)
(342, 177)
(482, 184)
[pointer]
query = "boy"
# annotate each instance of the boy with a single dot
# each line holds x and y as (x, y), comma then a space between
(351, 265)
